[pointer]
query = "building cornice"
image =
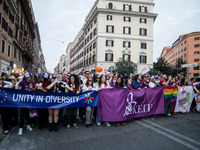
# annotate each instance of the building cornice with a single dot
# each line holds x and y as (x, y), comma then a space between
(136, 2)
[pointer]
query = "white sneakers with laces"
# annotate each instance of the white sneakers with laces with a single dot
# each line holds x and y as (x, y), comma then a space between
(27, 128)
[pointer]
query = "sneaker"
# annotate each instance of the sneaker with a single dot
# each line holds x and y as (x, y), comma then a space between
(20, 131)
(107, 124)
(75, 125)
(98, 124)
(68, 127)
(29, 128)
(169, 114)
(87, 125)
(6, 131)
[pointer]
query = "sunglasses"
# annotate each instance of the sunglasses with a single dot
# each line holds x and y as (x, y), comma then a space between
(90, 80)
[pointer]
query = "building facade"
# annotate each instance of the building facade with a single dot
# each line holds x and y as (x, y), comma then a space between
(113, 30)
(17, 34)
(187, 47)
(68, 57)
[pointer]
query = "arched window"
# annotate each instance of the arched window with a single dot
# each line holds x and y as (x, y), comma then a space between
(110, 6)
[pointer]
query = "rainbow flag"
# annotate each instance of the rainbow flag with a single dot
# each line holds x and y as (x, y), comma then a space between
(170, 93)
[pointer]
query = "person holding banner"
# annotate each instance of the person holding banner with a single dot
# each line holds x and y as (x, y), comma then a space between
(137, 82)
(25, 84)
(102, 85)
(119, 83)
(53, 113)
(89, 110)
(74, 85)
(6, 112)
(128, 84)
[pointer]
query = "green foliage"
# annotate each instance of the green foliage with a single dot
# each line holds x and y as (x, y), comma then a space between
(153, 72)
(163, 66)
(122, 67)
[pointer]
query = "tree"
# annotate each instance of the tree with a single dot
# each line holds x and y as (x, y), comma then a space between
(124, 67)
(178, 68)
(163, 66)
(153, 72)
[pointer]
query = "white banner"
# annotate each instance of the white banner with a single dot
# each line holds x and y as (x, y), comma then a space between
(185, 97)
(198, 103)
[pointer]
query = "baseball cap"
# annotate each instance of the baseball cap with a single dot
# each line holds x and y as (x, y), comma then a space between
(44, 75)
(28, 74)
(52, 76)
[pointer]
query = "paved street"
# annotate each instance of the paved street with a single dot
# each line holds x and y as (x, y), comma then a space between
(180, 131)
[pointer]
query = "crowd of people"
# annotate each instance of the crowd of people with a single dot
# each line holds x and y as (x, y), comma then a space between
(77, 83)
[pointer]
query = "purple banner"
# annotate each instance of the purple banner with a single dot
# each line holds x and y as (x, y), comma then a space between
(120, 104)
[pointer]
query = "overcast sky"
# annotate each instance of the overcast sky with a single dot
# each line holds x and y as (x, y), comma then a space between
(60, 21)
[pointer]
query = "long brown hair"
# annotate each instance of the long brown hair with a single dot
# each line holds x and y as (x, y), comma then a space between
(87, 83)
(100, 80)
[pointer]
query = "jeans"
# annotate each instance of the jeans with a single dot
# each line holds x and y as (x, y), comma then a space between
(71, 115)
(24, 115)
(89, 115)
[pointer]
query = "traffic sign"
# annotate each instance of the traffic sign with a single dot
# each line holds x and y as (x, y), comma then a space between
(188, 65)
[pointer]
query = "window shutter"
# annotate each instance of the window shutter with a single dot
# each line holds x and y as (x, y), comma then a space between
(123, 44)
(106, 42)
(124, 6)
(123, 57)
(140, 9)
(112, 29)
(106, 28)
(129, 57)
(112, 43)
(111, 57)
(124, 18)
(107, 17)
(130, 9)
(106, 56)
(129, 44)
(145, 20)
(140, 31)
(146, 9)
(145, 31)
(129, 30)
(124, 30)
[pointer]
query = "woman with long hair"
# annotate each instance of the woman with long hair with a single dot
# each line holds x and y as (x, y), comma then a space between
(53, 113)
(89, 110)
(119, 82)
(128, 83)
(102, 85)
(74, 85)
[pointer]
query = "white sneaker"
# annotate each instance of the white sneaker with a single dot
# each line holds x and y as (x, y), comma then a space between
(20, 131)
(7, 131)
(107, 124)
(98, 124)
(29, 128)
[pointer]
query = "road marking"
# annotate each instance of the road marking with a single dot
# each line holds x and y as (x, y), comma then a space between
(169, 136)
(173, 132)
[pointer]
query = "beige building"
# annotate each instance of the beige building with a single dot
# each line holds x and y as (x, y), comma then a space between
(68, 57)
(115, 29)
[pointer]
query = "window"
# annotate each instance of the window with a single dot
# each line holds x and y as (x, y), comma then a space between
(143, 31)
(127, 19)
(197, 38)
(196, 74)
(143, 20)
(109, 57)
(127, 30)
(185, 49)
(4, 25)
(196, 60)
(109, 17)
(143, 59)
(91, 48)
(127, 7)
(143, 9)
(181, 50)
(11, 17)
(15, 53)
(3, 46)
(143, 45)
(95, 21)
(109, 43)
(110, 6)
(90, 36)
(110, 29)
(197, 45)
(196, 68)
(126, 57)
(10, 32)
(94, 45)
(9, 49)
(94, 58)
(185, 42)
(196, 53)
(126, 44)
(184, 55)
(95, 32)
(5, 7)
